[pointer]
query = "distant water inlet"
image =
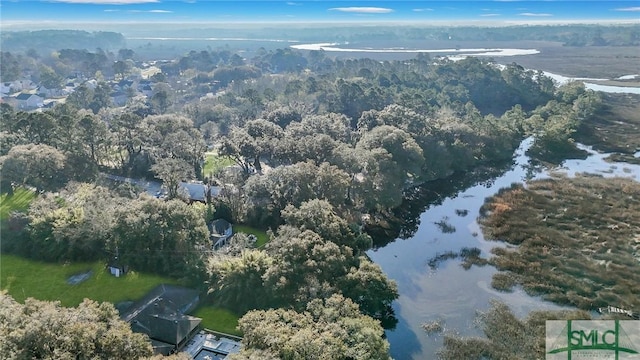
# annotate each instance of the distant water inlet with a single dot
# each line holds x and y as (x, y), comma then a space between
(336, 47)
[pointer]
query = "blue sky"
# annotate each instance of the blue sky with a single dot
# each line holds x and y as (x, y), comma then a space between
(198, 11)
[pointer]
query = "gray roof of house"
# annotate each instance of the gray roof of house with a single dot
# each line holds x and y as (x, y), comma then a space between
(196, 191)
(218, 227)
(161, 314)
(24, 96)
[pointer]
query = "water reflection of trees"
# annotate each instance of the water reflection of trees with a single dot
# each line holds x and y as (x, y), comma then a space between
(403, 221)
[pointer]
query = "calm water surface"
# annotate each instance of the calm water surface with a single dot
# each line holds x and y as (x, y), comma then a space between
(449, 292)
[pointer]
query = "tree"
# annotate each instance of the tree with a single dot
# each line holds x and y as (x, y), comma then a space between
(122, 68)
(305, 266)
(46, 330)
(74, 225)
(237, 282)
(172, 171)
(40, 166)
(320, 217)
(369, 287)
(49, 78)
(163, 237)
(161, 99)
(329, 329)
(268, 194)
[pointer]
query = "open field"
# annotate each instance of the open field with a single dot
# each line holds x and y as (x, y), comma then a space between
(214, 162)
(577, 240)
(24, 278)
(218, 319)
(19, 201)
(616, 128)
(262, 236)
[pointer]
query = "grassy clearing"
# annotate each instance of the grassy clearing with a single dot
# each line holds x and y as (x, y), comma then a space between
(578, 240)
(19, 201)
(24, 278)
(218, 319)
(214, 162)
(262, 236)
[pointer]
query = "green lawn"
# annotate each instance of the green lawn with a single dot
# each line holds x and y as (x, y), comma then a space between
(262, 236)
(24, 278)
(19, 201)
(218, 319)
(214, 162)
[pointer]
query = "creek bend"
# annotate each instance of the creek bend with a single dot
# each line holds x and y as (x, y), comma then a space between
(449, 292)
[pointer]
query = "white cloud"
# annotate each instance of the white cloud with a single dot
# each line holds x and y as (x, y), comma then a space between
(363, 10)
(421, 10)
(488, 15)
(111, 10)
(150, 11)
(635, 8)
(291, 3)
(535, 14)
(107, 2)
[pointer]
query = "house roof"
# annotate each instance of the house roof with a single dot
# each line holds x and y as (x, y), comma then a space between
(196, 191)
(24, 96)
(219, 227)
(161, 314)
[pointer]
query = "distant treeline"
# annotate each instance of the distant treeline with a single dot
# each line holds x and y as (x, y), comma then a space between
(51, 40)
(569, 35)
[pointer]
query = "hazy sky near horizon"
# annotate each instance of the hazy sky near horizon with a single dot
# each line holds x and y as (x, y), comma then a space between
(216, 11)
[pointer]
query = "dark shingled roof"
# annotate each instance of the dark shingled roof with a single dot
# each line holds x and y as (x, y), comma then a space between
(161, 315)
(23, 96)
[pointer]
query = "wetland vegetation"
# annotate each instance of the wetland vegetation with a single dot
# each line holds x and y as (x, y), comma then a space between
(575, 240)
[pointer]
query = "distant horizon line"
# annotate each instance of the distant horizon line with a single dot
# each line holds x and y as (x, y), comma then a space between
(482, 22)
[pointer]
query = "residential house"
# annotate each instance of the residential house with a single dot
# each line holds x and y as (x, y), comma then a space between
(119, 98)
(147, 90)
(197, 191)
(91, 84)
(22, 85)
(211, 345)
(220, 231)
(49, 93)
(161, 314)
(26, 101)
(5, 88)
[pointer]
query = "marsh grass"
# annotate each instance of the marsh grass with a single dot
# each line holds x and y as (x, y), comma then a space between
(433, 327)
(615, 128)
(469, 256)
(626, 158)
(506, 336)
(577, 240)
(444, 226)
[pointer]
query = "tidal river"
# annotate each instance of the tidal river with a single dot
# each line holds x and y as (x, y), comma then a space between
(449, 292)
